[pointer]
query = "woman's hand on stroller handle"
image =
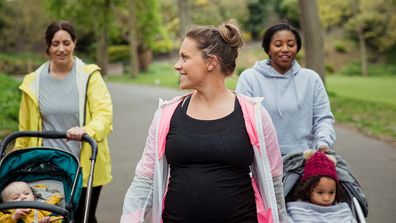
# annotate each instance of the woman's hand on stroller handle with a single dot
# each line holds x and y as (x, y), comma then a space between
(75, 133)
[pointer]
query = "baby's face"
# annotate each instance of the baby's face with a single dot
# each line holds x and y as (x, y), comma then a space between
(19, 192)
(324, 193)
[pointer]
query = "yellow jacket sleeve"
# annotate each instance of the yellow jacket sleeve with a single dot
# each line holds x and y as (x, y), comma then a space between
(99, 109)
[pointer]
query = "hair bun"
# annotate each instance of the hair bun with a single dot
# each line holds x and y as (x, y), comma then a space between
(231, 34)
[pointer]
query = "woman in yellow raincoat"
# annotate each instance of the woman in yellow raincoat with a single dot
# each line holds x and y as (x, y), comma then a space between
(65, 94)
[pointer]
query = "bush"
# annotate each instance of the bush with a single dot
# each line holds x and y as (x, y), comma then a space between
(340, 47)
(118, 53)
(9, 104)
(19, 63)
(353, 68)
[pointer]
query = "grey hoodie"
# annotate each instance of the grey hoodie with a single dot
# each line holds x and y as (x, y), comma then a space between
(297, 102)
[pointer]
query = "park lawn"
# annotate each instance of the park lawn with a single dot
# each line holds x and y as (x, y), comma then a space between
(380, 89)
(365, 103)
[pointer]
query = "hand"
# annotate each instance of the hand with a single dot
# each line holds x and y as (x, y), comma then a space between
(45, 220)
(19, 213)
(75, 133)
(324, 149)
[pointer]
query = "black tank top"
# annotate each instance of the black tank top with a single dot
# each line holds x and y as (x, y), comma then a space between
(209, 169)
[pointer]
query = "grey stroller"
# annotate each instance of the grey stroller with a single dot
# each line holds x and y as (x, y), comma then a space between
(293, 167)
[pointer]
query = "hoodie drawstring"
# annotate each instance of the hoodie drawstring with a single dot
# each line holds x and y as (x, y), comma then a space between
(276, 98)
(295, 90)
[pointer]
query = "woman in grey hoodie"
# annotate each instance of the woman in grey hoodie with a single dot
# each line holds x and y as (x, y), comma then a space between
(294, 96)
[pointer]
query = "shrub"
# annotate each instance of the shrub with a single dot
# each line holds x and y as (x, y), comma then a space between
(340, 47)
(19, 63)
(118, 53)
(9, 104)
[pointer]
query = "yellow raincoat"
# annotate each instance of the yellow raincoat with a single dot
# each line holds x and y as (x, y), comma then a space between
(95, 114)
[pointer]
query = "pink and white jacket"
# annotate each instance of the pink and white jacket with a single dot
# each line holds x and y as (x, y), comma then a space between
(148, 188)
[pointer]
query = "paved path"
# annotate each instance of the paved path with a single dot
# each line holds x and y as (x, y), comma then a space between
(373, 162)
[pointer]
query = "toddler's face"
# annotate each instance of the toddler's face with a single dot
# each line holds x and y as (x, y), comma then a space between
(324, 192)
(19, 192)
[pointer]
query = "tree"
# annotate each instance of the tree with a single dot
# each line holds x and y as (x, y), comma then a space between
(313, 36)
(94, 15)
(184, 15)
(362, 42)
(23, 33)
(133, 42)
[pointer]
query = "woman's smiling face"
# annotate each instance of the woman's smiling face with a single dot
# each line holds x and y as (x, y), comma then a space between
(283, 50)
(190, 65)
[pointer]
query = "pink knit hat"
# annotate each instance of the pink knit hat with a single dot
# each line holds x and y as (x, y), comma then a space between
(319, 165)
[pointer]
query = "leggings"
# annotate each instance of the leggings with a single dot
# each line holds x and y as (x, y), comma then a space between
(79, 215)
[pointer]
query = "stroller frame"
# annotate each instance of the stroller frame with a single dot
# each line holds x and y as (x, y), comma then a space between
(41, 205)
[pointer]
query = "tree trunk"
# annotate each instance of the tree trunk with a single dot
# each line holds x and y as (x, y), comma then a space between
(312, 36)
(133, 44)
(101, 51)
(102, 56)
(184, 16)
(362, 42)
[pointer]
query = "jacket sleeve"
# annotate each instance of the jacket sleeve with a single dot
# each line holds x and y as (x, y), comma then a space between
(323, 118)
(6, 217)
(24, 122)
(276, 162)
(100, 108)
(139, 197)
(243, 85)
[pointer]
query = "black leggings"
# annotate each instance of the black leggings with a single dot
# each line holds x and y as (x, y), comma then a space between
(79, 215)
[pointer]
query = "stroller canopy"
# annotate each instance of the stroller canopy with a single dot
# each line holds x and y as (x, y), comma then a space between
(34, 164)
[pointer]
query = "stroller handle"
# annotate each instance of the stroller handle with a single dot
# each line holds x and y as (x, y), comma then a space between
(47, 135)
(34, 205)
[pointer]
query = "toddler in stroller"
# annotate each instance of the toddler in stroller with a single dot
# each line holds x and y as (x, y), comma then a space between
(50, 172)
(324, 193)
(21, 191)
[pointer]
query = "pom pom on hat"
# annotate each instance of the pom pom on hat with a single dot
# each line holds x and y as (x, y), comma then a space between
(319, 164)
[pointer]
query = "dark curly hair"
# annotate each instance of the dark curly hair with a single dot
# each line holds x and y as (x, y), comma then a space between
(305, 188)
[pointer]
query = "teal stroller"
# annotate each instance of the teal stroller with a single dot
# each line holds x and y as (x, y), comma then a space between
(46, 170)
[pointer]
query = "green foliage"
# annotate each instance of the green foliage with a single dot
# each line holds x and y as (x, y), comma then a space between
(20, 63)
(288, 10)
(118, 53)
(10, 97)
(217, 11)
(258, 13)
(333, 13)
(22, 24)
(353, 69)
(329, 68)
(340, 47)
(377, 20)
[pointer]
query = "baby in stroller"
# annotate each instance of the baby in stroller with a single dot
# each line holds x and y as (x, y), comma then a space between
(21, 191)
(318, 195)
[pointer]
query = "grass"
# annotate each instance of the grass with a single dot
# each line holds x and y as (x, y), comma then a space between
(366, 103)
(380, 89)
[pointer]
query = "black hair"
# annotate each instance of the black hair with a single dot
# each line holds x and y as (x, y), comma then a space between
(276, 28)
(54, 27)
(305, 188)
